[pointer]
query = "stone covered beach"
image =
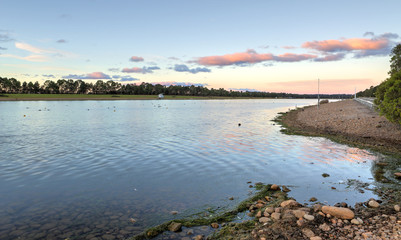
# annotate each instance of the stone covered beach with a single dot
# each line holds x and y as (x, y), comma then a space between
(347, 121)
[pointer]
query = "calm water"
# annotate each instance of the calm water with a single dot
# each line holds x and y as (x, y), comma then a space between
(83, 168)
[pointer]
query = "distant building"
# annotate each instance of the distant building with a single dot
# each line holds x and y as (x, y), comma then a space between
(161, 96)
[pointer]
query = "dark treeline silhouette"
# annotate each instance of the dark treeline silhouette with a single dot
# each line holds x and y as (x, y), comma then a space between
(62, 86)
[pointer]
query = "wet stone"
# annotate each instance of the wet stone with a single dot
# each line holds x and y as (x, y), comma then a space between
(175, 227)
(214, 225)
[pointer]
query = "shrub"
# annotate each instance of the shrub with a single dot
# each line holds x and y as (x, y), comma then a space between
(388, 98)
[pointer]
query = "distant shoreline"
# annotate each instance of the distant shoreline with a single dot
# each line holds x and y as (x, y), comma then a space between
(84, 97)
(348, 122)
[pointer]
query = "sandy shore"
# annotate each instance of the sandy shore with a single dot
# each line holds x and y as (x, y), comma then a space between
(346, 121)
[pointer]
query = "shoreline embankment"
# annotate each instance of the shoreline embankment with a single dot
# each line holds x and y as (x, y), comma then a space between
(348, 122)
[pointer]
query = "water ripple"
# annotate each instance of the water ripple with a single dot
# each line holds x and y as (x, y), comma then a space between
(101, 167)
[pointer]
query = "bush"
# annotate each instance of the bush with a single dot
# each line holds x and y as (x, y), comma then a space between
(388, 98)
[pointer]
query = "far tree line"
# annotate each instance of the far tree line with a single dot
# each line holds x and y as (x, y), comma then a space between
(63, 86)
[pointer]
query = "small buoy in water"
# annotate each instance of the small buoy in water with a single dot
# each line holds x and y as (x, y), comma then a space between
(114, 110)
(239, 124)
(24, 115)
(132, 220)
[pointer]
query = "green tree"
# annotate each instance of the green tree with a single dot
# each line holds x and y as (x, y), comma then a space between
(388, 98)
(395, 61)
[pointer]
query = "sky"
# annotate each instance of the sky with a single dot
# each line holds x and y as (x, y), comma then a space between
(272, 46)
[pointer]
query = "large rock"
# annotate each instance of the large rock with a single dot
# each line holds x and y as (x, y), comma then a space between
(175, 227)
(289, 203)
(339, 212)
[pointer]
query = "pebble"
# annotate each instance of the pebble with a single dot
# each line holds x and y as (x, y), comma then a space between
(300, 222)
(269, 210)
(354, 221)
(214, 225)
(308, 233)
(174, 212)
(175, 227)
(199, 237)
(190, 232)
(275, 216)
(289, 203)
(264, 219)
(317, 207)
(285, 189)
(324, 227)
(298, 213)
(259, 214)
(275, 187)
(373, 204)
(397, 208)
(312, 199)
(309, 217)
(397, 174)
(316, 238)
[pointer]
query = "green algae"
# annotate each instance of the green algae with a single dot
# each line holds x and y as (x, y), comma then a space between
(202, 219)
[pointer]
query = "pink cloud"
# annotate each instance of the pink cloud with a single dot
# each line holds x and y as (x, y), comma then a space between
(132, 70)
(291, 57)
(327, 86)
(97, 75)
(94, 75)
(330, 57)
(180, 84)
(136, 59)
(250, 56)
(347, 44)
(288, 47)
(143, 70)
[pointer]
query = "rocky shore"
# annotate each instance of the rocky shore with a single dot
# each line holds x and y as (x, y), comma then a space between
(276, 217)
(291, 220)
(346, 121)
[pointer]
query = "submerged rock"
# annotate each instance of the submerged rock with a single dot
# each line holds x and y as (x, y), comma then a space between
(175, 227)
(214, 225)
(397, 174)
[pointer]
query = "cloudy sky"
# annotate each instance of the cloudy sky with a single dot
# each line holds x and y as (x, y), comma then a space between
(275, 46)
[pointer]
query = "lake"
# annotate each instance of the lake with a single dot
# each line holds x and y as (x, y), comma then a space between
(83, 169)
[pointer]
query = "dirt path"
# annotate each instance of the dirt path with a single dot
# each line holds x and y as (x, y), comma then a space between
(348, 121)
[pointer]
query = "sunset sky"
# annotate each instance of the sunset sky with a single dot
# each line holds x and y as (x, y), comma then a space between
(274, 46)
